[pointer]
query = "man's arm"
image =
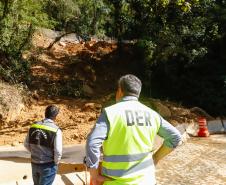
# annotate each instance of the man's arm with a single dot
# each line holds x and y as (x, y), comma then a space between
(26, 143)
(93, 147)
(172, 139)
(58, 147)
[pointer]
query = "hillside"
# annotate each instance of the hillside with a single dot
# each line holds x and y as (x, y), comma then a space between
(80, 78)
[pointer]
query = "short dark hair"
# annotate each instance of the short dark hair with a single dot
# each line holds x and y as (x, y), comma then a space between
(51, 111)
(130, 85)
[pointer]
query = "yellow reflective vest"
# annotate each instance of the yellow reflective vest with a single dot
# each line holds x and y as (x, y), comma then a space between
(128, 148)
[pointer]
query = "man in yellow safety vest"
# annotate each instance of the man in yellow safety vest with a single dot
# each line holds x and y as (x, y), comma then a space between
(126, 131)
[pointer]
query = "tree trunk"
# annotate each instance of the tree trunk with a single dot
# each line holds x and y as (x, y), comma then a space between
(5, 9)
(25, 42)
(118, 23)
(94, 21)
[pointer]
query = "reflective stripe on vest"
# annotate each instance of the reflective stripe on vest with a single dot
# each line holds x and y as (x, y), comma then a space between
(125, 158)
(44, 127)
(42, 135)
(127, 150)
(135, 168)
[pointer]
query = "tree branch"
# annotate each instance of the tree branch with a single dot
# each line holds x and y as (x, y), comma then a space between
(58, 39)
(26, 40)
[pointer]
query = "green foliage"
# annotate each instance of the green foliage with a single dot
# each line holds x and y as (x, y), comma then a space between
(201, 84)
(145, 49)
(17, 22)
(174, 38)
(16, 71)
(18, 19)
(62, 12)
(92, 18)
(83, 17)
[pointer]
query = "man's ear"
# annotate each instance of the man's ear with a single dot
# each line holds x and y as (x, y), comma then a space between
(119, 94)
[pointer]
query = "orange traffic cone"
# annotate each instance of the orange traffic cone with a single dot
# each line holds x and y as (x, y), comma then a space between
(203, 130)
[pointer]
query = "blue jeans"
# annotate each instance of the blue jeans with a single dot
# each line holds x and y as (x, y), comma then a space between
(43, 174)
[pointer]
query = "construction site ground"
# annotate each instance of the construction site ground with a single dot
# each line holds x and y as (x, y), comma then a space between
(200, 161)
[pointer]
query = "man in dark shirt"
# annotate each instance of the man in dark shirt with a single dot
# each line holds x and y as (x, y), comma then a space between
(44, 141)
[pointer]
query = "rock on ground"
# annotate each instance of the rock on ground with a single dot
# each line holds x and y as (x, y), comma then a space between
(11, 102)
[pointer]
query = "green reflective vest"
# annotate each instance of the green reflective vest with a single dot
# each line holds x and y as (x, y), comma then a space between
(128, 148)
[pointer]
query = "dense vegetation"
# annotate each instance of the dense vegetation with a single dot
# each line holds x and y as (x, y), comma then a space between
(180, 48)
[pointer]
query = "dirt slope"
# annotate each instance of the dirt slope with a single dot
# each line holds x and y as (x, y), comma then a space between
(86, 72)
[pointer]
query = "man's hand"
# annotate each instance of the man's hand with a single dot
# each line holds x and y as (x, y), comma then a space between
(96, 178)
(161, 153)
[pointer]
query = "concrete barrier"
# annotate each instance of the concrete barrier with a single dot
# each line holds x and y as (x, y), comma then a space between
(224, 122)
(16, 167)
(216, 126)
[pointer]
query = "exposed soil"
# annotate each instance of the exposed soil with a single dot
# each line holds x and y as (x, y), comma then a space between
(88, 70)
(59, 73)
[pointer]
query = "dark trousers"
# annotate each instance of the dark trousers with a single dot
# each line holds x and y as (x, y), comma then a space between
(43, 174)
